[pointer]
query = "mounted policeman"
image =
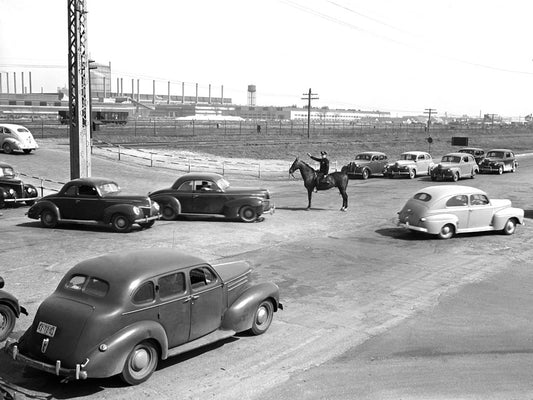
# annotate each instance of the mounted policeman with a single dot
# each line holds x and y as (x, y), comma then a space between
(323, 171)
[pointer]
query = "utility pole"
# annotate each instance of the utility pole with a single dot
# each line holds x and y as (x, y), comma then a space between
(429, 111)
(78, 84)
(309, 98)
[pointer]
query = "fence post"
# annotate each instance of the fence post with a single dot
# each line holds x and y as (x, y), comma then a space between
(42, 187)
(193, 127)
(223, 168)
(259, 170)
(189, 165)
(155, 133)
(42, 128)
(119, 152)
(151, 159)
(135, 128)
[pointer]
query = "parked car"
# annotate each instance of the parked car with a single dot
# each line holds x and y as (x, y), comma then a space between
(499, 161)
(13, 190)
(411, 164)
(10, 310)
(366, 164)
(95, 201)
(446, 210)
(211, 194)
(16, 137)
(455, 166)
(478, 153)
(123, 312)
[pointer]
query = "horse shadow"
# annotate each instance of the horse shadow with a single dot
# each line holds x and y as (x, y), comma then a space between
(528, 214)
(287, 208)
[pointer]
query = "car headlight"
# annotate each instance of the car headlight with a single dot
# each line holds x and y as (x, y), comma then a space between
(136, 210)
(156, 205)
(11, 192)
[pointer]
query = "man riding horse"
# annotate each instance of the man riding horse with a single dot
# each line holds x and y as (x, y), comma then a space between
(324, 168)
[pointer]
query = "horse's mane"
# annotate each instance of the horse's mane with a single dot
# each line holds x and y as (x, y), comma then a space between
(304, 163)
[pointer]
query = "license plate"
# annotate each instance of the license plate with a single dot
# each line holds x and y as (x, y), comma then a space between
(46, 329)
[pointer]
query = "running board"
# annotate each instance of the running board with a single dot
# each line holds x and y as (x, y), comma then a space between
(200, 342)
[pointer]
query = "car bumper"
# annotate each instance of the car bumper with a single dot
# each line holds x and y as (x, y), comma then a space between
(398, 173)
(77, 373)
(147, 219)
(271, 210)
(442, 175)
(21, 200)
(407, 225)
(489, 169)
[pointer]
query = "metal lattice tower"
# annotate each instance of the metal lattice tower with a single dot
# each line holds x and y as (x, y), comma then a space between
(78, 85)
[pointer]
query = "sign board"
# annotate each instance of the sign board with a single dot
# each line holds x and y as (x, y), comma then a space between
(459, 141)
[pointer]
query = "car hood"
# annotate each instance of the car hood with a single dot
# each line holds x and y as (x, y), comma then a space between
(246, 190)
(232, 270)
(10, 181)
(125, 196)
(70, 317)
(447, 165)
(501, 203)
(487, 160)
(404, 162)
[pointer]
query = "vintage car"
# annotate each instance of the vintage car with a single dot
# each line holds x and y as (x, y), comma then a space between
(499, 161)
(449, 209)
(121, 313)
(478, 153)
(411, 164)
(210, 194)
(13, 190)
(366, 164)
(455, 166)
(10, 310)
(95, 201)
(16, 137)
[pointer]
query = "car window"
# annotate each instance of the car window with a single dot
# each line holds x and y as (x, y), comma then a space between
(382, 157)
(71, 191)
(171, 285)
(87, 190)
(7, 171)
(422, 197)
(109, 187)
(478, 200)
(144, 294)
(507, 154)
(205, 186)
(457, 201)
(201, 277)
(186, 186)
(88, 285)
(465, 159)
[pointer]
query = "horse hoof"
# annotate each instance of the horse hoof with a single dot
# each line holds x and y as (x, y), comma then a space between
(343, 209)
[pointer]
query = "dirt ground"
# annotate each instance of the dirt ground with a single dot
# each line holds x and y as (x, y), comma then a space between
(354, 286)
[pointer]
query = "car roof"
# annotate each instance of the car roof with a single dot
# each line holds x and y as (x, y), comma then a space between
(437, 192)
(373, 153)
(139, 265)
(91, 181)
(415, 152)
(200, 176)
(3, 165)
(457, 154)
(499, 150)
(471, 148)
(13, 126)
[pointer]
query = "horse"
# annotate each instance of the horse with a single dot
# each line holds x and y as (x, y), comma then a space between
(309, 176)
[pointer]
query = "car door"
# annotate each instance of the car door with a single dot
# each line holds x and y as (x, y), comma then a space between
(208, 198)
(66, 200)
(88, 204)
(422, 164)
(207, 301)
(508, 161)
(481, 211)
(465, 166)
(174, 307)
(458, 206)
(184, 194)
(380, 165)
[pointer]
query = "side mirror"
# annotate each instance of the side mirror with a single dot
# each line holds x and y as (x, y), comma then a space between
(1, 282)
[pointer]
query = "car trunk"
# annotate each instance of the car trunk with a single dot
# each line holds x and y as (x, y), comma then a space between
(69, 317)
(412, 211)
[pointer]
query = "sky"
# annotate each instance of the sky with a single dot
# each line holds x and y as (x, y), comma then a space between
(457, 57)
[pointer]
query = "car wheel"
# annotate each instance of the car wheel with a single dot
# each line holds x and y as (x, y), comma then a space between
(365, 174)
(30, 202)
(147, 225)
(262, 317)
(7, 321)
(513, 169)
(120, 223)
(433, 177)
(510, 226)
(247, 214)
(446, 231)
(27, 151)
(48, 218)
(474, 172)
(168, 213)
(455, 177)
(412, 174)
(7, 148)
(140, 364)
(500, 170)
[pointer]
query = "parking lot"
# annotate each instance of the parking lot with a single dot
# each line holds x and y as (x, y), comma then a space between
(345, 278)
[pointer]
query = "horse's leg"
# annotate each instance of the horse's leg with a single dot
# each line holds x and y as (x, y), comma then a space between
(344, 198)
(309, 195)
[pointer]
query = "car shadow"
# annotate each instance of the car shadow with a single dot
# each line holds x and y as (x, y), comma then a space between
(78, 227)
(407, 235)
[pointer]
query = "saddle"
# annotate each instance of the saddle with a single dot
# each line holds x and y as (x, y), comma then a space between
(325, 183)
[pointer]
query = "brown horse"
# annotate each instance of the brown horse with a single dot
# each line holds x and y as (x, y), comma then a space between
(309, 176)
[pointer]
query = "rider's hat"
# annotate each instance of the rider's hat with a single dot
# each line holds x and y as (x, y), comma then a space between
(324, 153)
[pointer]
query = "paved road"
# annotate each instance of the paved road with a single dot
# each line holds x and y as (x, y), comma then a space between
(353, 285)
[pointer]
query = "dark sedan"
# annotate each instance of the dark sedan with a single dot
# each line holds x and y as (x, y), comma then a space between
(210, 194)
(10, 310)
(13, 190)
(95, 201)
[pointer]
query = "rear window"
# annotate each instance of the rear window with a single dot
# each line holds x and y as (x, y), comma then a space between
(422, 197)
(88, 285)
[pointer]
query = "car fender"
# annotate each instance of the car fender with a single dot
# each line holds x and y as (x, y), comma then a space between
(232, 207)
(165, 199)
(15, 143)
(126, 209)
(435, 222)
(11, 301)
(239, 316)
(501, 217)
(35, 211)
(110, 362)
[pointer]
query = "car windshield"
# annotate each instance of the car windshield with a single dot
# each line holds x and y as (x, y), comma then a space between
(108, 188)
(88, 285)
(223, 184)
(495, 154)
(363, 157)
(7, 172)
(453, 159)
(411, 157)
